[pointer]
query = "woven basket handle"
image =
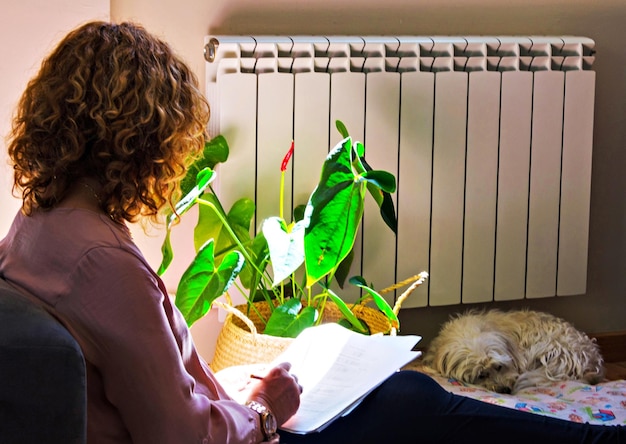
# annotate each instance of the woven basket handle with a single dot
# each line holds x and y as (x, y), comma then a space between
(236, 312)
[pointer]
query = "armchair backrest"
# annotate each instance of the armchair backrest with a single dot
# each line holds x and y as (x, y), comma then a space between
(42, 375)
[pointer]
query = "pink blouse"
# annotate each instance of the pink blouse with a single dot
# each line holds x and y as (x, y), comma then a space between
(145, 380)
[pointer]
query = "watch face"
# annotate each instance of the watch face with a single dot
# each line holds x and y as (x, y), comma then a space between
(270, 424)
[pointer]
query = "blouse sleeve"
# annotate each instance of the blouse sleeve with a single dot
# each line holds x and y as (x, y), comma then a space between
(150, 370)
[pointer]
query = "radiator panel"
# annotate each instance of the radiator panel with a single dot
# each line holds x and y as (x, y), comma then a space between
(347, 103)
(481, 180)
(414, 177)
(447, 188)
(513, 174)
(490, 139)
(381, 151)
(545, 165)
(575, 181)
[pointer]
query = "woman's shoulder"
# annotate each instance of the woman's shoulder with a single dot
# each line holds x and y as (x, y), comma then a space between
(69, 234)
(52, 253)
(81, 226)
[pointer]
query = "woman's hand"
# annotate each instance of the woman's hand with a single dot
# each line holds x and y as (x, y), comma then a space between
(279, 391)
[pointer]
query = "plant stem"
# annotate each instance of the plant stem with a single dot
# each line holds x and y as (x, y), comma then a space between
(281, 198)
(232, 234)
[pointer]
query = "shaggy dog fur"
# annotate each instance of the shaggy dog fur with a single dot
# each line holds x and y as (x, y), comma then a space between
(509, 351)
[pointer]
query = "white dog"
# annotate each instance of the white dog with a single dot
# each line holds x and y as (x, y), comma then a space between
(508, 351)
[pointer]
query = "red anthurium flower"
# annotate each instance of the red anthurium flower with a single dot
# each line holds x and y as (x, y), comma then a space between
(283, 166)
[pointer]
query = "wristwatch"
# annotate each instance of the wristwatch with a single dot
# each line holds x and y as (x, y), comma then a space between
(268, 421)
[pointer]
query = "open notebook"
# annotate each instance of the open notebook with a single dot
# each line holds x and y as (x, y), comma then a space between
(336, 368)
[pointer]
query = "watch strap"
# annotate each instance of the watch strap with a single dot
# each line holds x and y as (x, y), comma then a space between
(268, 422)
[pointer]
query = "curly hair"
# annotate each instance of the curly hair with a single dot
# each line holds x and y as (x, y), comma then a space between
(114, 103)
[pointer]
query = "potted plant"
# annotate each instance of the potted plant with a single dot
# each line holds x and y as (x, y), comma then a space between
(288, 266)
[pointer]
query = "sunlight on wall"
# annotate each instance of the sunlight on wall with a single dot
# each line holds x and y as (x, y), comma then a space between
(28, 34)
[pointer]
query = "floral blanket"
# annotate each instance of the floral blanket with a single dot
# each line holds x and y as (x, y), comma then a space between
(604, 403)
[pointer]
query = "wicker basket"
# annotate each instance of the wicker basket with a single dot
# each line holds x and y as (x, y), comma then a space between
(240, 342)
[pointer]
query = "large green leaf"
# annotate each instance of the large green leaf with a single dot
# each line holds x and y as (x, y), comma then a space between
(298, 212)
(388, 212)
(215, 151)
(210, 224)
(333, 214)
(356, 324)
(343, 270)
(342, 129)
(166, 252)
(380, 302)
(380, 184)
(198, 177)
(203, 180)
(382, 179)
(203, 282)
(252, 273)
(289, 319)
(286, 244)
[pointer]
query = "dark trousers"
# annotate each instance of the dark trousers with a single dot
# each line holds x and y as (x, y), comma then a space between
(411, 407)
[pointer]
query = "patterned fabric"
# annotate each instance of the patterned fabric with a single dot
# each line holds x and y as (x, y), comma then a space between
(604, 403)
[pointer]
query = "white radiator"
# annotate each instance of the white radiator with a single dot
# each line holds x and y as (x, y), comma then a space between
(490, 139)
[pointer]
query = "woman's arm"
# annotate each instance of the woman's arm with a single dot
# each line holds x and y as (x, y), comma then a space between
(150, 370)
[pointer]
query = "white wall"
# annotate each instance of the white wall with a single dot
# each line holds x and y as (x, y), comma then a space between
(28, 30)
(184, 23)
(31, 27)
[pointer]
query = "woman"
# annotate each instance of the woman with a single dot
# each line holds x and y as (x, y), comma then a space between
(102, 136)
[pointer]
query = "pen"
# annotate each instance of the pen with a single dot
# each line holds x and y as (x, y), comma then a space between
(256, 377)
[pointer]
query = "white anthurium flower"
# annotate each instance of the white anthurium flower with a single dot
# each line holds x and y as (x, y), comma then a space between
(286, 245)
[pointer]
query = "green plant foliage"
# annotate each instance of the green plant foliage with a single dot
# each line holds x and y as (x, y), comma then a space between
(203, 281)
(270, 265)
(352, 321)
(286, 245)
(380, 302)
(289, 319)
(380, 188)
(343, 270)
(252, 274)
(341, 128)
(333, 214)
(198, 177)
(210, 226)
(167, 253)
(215, 151)
(203, 180)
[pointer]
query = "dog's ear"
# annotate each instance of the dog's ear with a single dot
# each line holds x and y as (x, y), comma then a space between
(513, 352)
(438, 359)
(443, 362)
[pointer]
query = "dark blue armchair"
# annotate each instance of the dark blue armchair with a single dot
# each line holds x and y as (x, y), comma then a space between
(42, 376)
